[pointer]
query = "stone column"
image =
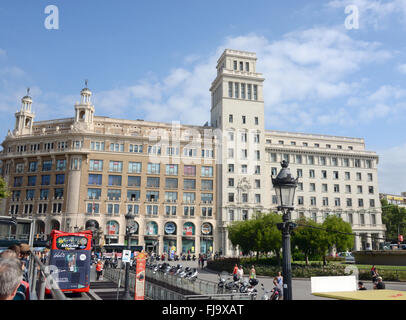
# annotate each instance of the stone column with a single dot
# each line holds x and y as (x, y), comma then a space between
(72, 193)
(357, 242)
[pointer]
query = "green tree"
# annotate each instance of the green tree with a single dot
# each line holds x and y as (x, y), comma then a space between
(259, 234)
(4, 193)
(309, 238)
(394, 218)
(338, 234)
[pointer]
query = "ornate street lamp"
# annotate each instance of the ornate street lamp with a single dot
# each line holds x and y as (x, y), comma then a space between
(129, 218)
(285, 186)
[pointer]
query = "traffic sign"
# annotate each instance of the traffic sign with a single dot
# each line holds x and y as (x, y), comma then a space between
(126, 256)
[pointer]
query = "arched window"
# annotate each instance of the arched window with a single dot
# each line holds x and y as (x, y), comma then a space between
(189, 229)
(151, 228)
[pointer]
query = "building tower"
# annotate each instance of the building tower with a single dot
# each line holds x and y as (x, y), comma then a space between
(84, 111)
(24, 117)
(237, 111)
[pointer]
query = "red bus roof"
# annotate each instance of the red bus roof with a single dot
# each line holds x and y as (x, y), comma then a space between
(81, 233)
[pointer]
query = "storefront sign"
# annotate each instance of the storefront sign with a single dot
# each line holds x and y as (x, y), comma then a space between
(170, 228)
(206, 228)
(188, 229)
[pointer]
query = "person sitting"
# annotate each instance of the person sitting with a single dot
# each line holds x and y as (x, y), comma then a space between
(11, 275)
(23, 290)
(379, 284)
(361, 286)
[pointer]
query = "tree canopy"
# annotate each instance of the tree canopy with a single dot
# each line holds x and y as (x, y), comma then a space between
(4, 193)
(394, 217)
(259, 234)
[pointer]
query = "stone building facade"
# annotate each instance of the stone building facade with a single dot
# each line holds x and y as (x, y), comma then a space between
(184, 183)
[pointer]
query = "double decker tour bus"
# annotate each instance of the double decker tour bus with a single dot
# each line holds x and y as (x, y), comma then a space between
(70, 259)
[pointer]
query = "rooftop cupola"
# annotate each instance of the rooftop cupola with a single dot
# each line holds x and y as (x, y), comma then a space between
(84, 111)
(24, 117)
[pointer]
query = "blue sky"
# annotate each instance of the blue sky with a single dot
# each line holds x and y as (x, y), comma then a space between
(155, 60)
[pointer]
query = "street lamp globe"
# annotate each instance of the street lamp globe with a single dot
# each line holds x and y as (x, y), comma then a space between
(285, 187)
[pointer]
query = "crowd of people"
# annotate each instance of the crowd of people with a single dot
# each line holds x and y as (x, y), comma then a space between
(14, 273)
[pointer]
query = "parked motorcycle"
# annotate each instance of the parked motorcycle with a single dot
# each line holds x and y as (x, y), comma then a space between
(273, 294)
(192, 275)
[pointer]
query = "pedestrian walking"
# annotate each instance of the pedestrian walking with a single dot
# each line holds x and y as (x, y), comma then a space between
(99, 270)
(374, 274)
(240, 273)
(235, 272)
(253, 273)
(279, 279)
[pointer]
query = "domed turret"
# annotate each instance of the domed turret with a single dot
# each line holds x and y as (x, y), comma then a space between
(24, 117)
(26, 102)
(85, 94)
(84, 111)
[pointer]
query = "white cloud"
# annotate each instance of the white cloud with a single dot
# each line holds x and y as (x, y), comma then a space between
(391, 170)
(306, 71)
(402, 68)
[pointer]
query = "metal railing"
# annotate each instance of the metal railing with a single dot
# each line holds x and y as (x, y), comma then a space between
(38, 274)
(161, 286)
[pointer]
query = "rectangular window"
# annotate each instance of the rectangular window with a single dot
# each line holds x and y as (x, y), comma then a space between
(45, 180)
(172, 169)
(153, 168)
(153, 182)
(116, 166)
(257, 198)
(60, 165)
(171, 196)
(96, 165)
(47, 165)
(189, 184)
(207, 185)
(207, 197)
(95, 179)
(32, 180)
(114, 194)
(58, 193)
(133, 195)
(134, 167)
(33, 166)
(134, 181)
(153, 196)
(19, 167)
(171, 183)
(312, 201)
(97, 146)
(231, 197)
(189, 170)
(249, 91)
(255, 92)
(93, 193)
(59, 179)
(29, 195)
(189, 197)
(236, 90)
(230, 89)
(136, 148)
(207, 171)
(114, 180)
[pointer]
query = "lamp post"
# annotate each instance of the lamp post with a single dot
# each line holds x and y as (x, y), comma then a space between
(285, 186)
(129, 217)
